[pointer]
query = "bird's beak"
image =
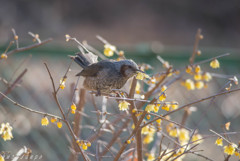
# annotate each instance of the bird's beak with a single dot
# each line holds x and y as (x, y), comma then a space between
(138, 70)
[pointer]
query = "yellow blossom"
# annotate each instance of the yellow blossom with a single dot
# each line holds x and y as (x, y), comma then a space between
(67, 37)
(73, 111)
(197, 69)
(16, 37)
(121, 53)
(159, 121)
(45, 121)
(138, 88)
(62, 83)
(215, 64)
(150, 107)
(109, 50)
(189, 84)
(230, 149)
(199, 84)
(6, 131)
(162, 97)
(141, 76)
(196, 139)
(183, 135)
(150, 157)
(128, 141)
(89, 144)
(123, 105)
(237, 153)
(166, 64)
(227, 125)
(73, 106)
(188, 69)
(59, 125)
(84, 146)
(156, 108)
(148, 117)
(4, 56)
(134, 110)
(53, 119)
(174, 132)
(174, 105)
(219, 141)
(207, 76)
(133, 126)
(1, 158)
(163, 89)
(198, 76)
(166, 107)
(148, 138)
(199, 52)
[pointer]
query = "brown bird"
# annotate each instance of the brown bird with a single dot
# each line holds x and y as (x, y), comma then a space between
(106, 75)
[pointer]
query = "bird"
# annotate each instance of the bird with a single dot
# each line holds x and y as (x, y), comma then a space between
(105, 76)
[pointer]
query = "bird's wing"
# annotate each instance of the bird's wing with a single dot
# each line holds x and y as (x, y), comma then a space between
(91, 70)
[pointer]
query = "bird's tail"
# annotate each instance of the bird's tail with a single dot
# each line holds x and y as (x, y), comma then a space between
(81, 60)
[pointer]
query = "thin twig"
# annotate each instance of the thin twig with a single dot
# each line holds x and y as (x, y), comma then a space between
(189, 104)
(29, 109)
(10, 88)
(29, 47)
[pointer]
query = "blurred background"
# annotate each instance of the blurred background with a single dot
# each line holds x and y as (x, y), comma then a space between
(143, 29)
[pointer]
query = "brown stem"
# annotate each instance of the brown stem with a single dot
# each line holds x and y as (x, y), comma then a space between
(77, 122)
(195, 47)
(9, 89)
(64, 117)
(29, 47)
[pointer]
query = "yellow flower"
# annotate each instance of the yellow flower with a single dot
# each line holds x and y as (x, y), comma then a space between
(73, 106)
(45, 121)
(141, 76)
(197, 69)
(174, 132)
(198, 76)
(149, 138)
(189, 84)
(109, 50)
(183, 135)
(53, 119)
(138, 88)
(188, 69)
(166, 107)
(162, 97)
(134, 110)
(174, 105)
(148, 117)
(67, 37)
(59, 125)
(156, 108)
(89, 144)
(196, 137)
(207, 76)
(123, 105)
(215, 64)
(6, 131)
(227, 125)
(1, 158)
(163, 89)
(230, 149)
(150, 107)
(199, 84)
(62, 83)
(4, 56)
(166, 64)
(150, 157)
(219, 141)
(128, 141)
(84, 146)
(159, 121)
(73, 111)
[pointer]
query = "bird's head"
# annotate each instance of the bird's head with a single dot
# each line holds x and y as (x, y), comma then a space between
(129, 68)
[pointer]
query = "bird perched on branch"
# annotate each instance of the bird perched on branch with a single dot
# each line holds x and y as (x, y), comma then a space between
(106, 75)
